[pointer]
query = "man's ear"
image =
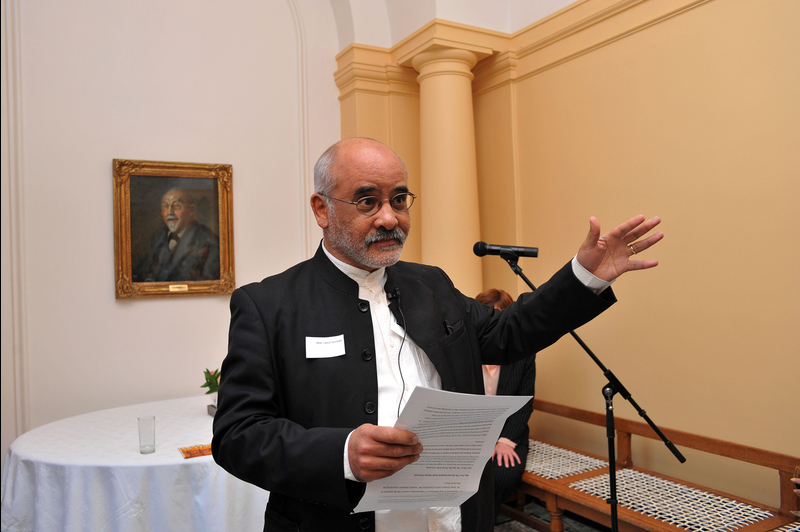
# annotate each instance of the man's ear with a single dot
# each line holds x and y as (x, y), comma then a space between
(320, 208)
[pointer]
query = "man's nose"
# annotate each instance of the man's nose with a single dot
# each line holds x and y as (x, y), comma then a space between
(386, 216)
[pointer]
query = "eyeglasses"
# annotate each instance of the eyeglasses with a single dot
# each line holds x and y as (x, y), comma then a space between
(369, 205)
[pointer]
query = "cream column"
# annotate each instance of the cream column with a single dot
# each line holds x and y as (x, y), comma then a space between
(448, 168)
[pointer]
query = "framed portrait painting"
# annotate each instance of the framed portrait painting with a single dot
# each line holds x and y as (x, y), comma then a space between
(173, 229)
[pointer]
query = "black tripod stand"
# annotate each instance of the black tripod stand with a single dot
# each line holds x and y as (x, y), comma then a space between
(613, 387)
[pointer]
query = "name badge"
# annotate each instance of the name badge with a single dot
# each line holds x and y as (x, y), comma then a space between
(324, 347)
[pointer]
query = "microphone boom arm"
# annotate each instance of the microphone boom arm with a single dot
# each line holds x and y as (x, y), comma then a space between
(613, 387)
(513, 261)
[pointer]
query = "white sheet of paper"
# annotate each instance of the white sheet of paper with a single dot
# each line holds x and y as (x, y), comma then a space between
(458, 433)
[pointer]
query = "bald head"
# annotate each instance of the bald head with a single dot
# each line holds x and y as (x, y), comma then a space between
(344, 154)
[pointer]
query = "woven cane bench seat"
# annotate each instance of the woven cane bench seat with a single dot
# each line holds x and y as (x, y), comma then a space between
(791, 527)
(551, 461)
(578, 482)
(677, 504)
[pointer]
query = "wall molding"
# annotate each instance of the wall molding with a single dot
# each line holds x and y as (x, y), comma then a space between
(16, 216)
(598, 30)
(569, 35)
(305, 166)
(369, 69)
(569, 29)
(506, 58)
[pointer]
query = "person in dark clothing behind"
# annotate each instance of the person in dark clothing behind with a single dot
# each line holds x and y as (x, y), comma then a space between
(511, 450)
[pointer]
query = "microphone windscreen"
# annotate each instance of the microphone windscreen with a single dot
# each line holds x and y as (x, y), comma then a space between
(479, 249)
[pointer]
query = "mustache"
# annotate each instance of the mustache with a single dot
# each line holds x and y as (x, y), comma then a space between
(170, 218)
(385, 234)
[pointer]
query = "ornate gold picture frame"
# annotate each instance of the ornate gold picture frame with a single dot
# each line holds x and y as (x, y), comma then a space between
(173, 229)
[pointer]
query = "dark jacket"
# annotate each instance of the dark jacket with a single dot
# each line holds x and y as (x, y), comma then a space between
(283, 419)
(518, 378)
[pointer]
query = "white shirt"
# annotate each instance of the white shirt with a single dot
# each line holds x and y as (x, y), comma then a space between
(401, 365)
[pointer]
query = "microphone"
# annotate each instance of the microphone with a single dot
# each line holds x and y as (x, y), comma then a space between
(394, 296)
(482, 248)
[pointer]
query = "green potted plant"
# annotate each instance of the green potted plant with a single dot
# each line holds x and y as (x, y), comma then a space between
(212, 383)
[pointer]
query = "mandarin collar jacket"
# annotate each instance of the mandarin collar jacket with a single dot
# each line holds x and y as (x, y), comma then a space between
(283, 416)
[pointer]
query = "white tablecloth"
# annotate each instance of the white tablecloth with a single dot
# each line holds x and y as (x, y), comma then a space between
(85, 473)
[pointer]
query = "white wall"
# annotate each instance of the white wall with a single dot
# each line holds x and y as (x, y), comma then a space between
(246, 82)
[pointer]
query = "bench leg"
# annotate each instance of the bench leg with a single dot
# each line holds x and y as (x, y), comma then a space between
(556, 514)
(520, 496)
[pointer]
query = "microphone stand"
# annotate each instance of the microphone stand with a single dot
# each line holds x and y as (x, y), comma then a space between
(613, 387)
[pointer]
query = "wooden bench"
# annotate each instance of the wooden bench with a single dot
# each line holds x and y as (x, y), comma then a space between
(575, 481)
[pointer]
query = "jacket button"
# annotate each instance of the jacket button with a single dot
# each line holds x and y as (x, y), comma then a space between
(367, 354)
(363, 306)
(364, 523)
(369, 408)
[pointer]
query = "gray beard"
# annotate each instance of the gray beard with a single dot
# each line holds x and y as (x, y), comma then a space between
(358, 252)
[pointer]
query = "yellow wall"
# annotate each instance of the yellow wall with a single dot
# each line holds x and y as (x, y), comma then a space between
(683, 109)
(696, 119)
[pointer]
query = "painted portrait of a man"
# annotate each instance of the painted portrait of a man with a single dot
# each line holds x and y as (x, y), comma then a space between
(181, 247)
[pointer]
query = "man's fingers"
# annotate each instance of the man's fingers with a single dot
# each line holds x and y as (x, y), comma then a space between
(624, 229)
(594, 231)
(386, 466)
(641, 229)
(641, 264)
(368, 468)
(641, 245)
(592, 236)
(388, 434)
(388, 442)
(377, 452)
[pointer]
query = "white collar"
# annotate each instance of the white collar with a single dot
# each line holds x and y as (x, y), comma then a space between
(362, 277)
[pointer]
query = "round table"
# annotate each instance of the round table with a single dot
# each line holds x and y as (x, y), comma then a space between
(85, 473)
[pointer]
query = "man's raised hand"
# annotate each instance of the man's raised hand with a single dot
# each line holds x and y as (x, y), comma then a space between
(609, 255)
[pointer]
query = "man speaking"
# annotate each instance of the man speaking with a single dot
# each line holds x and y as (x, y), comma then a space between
(322, 357)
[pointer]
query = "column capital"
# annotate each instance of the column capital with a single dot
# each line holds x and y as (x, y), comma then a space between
(439, 60)
(445, 35)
